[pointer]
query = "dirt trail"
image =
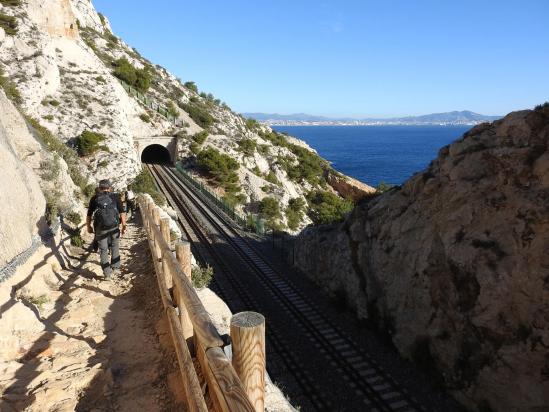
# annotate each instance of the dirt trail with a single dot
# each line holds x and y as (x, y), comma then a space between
(98, 345)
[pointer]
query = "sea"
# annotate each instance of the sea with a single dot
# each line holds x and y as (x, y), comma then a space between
(376, 154)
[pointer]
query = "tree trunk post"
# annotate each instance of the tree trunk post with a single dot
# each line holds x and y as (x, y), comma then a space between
(248, 346)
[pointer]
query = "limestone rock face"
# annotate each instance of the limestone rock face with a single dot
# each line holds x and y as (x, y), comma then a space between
(22, 201)
(454, 264)
(348, 187)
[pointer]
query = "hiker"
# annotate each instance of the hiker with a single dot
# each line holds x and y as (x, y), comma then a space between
(109, 223)
(130, 202)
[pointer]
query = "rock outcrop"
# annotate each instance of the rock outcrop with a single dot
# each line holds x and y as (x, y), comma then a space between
(348, 187)
(455, 264)
(22, 201)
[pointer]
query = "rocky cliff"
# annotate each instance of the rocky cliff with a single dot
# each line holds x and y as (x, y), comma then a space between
(454, 264)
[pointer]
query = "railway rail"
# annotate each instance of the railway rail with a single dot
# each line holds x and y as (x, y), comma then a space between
(329, 370)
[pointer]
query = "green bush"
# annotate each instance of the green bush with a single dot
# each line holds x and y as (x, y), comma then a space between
(198, 113)
(144, 183)
(9, 88)
(383, 187)
(247, 146)
(172, 110)
(271, 178)
(201, 276)
(252, 124)
(9, 24)
(138, 78)
(10, 3)
(270, 209)
(145, 117)
(542, 106)
(48, 117)
(200, 137)
(194, 148)
(294, 212)
(50, 170)
(88, 143)
(326, 207)
(191, 86)
(76, 240)
(220, 166)
(74, 218)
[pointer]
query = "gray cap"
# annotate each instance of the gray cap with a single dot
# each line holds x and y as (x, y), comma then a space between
(105, 184)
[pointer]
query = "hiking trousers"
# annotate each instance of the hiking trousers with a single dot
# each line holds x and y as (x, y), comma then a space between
(109, 241)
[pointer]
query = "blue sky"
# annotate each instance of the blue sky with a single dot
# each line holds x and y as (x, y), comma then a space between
(348, 57)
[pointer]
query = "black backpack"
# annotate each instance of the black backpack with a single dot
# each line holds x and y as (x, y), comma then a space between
(106, 215)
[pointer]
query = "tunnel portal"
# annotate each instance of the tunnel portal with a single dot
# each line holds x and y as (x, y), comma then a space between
(156, 154)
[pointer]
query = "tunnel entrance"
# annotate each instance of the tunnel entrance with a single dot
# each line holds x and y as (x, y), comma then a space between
(157, 154)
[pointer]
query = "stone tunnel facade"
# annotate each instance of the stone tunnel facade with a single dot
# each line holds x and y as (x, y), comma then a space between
(149, 145)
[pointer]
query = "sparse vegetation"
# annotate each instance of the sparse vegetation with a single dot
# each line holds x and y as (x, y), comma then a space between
(88, 143)
(53, 144)
(144, 183)
(200, 137)
(198, 113)
(219, 166)
(10, 3)
(252, 124)
(271, 178)
(76, 240)
(9, 24)
(172, 110)
(138, 78)
(326, 207)
(191, 86)
(145, 117)
(247, 146)
(294, 212)
(49, 170)
(542, 106)
(9, 88)
(100, 79)
(270, 209)
(73, 217)
(48, 117)
(201, 276)
(383, 187)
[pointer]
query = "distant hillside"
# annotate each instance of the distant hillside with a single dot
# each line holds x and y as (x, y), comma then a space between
(464, 117)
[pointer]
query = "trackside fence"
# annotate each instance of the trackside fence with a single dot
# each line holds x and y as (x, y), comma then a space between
(236, 384)
(248, 221)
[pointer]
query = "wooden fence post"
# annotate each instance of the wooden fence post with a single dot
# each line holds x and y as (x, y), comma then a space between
(156, 219)
(166, 234)
(183, 254)
(248, 345)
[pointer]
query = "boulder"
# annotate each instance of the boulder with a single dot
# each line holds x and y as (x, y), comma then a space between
(454, 264)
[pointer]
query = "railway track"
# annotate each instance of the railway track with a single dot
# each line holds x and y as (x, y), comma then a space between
(330, 370)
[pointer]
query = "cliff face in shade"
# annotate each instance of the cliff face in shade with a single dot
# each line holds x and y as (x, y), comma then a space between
(455, 264)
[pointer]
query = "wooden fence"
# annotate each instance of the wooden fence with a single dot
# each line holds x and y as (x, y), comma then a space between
(236, 384)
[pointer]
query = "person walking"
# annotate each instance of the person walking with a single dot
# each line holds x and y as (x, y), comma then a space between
(109, 223)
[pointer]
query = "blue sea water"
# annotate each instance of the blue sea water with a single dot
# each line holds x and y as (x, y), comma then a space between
(374, 154)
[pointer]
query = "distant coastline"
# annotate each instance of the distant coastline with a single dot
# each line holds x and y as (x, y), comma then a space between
(455, 118)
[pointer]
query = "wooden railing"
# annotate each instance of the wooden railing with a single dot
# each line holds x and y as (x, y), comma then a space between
(233, 385)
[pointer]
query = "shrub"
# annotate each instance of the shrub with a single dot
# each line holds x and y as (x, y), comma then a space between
(138, 78)
(50, 170)
(48, 117)
(270, 209)
(172, 110)
(326, 207)
(191, 86)
(220, 166)
(542, 106)
(233, 197)
(9, 88)
(103, 163)
(194, 148)
(100, 79)
(294, 212)
(10, 3)
(200, 137)
(145, 117)
(271, 178)
(102, 18)
(74, 218)
(88, 143)
(76, 240)
(9, 24)
(54, 102)
(252, 124)
(199, 114)
(144, 183)
(247, 146)
(383, 187)
(201, 276)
